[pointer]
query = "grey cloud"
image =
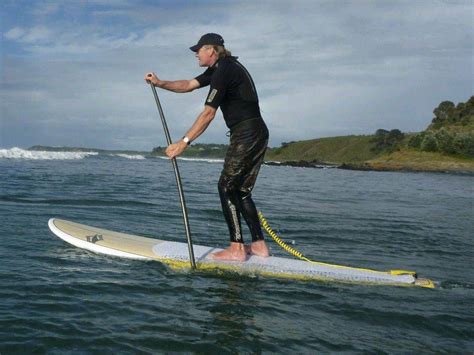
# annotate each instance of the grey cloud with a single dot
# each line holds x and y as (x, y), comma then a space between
(321, 68)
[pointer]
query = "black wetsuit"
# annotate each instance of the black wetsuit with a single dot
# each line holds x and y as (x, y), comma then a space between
(233, 90)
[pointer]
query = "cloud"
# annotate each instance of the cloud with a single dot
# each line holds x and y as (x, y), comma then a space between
(15, 33)
(46, 8)
(320, 68)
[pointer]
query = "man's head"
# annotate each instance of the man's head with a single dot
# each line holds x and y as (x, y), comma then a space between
(209, 49)
(207, 56)
(212, 39)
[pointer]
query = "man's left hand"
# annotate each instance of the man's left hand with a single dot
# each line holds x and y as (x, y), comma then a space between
(175, 149)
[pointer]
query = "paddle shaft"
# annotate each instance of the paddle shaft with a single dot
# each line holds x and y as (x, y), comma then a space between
(178, 181)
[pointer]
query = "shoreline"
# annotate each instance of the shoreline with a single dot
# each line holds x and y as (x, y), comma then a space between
(367, 166)
(302, 164)
(404, 168)
(395, 162)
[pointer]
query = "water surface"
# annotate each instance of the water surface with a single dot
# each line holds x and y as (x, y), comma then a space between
(56, 298)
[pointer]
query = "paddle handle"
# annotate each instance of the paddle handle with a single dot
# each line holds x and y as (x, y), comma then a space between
(178, 181)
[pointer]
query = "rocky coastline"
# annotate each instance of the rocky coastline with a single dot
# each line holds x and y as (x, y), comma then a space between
(303, 164)
(365, 166)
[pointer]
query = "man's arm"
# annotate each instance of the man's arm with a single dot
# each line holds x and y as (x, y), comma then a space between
(198, 127)
(201, 123)
(175, 86)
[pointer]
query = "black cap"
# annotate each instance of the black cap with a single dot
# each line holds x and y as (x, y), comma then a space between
(212, 39)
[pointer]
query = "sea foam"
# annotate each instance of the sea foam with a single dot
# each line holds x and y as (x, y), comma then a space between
(128, 156)
(18, 153)
(207, 160)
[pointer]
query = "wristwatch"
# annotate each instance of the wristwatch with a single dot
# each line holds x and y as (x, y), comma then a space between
(186, 140)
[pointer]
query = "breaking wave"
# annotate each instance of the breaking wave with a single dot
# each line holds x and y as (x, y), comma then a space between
(203, 159)
(129, 156)
(18, 153)
(207, 160)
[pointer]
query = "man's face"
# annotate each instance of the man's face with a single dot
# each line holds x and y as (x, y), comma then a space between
(205, 56)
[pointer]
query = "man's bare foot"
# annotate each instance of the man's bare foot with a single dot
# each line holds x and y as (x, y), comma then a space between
(258, 248)
(236, 252)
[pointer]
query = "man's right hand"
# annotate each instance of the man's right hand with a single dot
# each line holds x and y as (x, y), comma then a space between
(175, 86)
(152, 78)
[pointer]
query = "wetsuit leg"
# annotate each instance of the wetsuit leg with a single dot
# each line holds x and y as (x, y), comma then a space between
(229, 208)
(246, 204)
(250, 214)
(243, 160)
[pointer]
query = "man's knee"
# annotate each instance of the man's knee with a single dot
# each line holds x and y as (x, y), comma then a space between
(227, 183)
(222, 185)
(244, 195)
(225, 187)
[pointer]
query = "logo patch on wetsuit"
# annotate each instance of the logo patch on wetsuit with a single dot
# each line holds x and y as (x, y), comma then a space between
(212, 95)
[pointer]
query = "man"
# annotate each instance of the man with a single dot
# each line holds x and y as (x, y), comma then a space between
(233, 90)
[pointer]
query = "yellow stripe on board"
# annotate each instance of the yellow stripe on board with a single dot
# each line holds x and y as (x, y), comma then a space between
(203, 266)
(427, 283)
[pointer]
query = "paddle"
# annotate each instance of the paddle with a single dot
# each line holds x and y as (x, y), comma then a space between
(178, 181)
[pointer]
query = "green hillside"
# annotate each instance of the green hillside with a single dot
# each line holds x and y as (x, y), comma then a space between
(198, 150)
(446, 145)
(408, 159)
(335, 150)
(451, 131)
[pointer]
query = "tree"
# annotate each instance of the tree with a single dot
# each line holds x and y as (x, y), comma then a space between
(381, 132)
(464, 144)
(387, 140)
(429, 143)
(395, 135)
(415, 140)
(445, 141)
(444, 110)
(465, 111)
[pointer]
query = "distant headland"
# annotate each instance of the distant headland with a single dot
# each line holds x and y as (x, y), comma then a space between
(446, 145)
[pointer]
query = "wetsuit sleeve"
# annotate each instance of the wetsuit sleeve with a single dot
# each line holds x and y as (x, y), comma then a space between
(218, 88)
(205, 78)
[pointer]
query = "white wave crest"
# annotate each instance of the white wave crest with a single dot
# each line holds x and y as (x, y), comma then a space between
(206, 160)
(18, 153)
(128, 156)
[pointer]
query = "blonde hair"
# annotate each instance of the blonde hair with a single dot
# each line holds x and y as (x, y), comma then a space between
(221, 52)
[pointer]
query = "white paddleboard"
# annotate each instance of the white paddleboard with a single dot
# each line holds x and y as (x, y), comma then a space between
(176, 255)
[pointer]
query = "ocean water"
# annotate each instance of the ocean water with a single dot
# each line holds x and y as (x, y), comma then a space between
(58, 299)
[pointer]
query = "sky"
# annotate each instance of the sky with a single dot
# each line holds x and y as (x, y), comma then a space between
(72, 71)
